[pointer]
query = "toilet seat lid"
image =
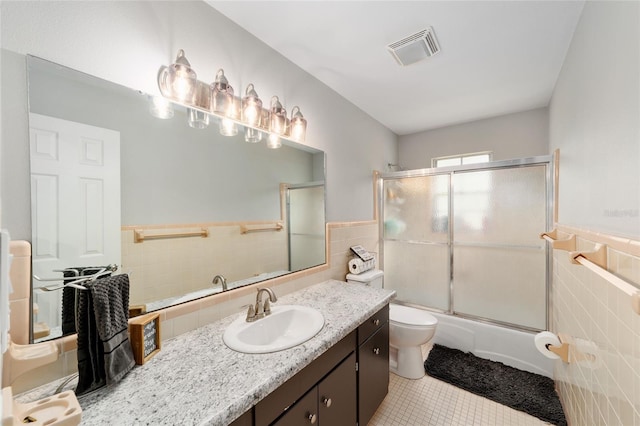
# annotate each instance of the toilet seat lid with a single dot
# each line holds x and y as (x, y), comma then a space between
(411, 316)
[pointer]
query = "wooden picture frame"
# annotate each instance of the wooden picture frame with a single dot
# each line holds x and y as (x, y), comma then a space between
(144, 333)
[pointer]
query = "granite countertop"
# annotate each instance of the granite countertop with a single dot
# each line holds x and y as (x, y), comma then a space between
(196, 380)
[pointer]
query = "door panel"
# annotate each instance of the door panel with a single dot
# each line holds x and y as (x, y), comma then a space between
(373, 374)
(337, 395)
(72, 164)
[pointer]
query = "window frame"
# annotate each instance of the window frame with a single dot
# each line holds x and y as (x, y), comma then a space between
(434, 160)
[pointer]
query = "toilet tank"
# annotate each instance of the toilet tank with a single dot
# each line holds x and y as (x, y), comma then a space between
(373, 278)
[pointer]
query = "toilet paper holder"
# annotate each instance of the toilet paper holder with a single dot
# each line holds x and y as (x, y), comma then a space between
(566, 342)
(563, 350)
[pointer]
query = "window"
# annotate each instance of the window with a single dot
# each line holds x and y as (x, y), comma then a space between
(457, 160)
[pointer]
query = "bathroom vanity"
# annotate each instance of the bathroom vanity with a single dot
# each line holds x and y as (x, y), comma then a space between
(196, 379)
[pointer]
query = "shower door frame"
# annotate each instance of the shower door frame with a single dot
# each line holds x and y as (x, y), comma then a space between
(546, 160)
(307, 185)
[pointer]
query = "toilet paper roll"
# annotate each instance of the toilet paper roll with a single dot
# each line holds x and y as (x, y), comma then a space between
(544, 338)
(358, 266)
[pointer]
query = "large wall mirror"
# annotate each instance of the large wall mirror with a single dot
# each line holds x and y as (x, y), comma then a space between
(170, 204)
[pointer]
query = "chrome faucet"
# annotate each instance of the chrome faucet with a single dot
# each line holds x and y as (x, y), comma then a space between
(222, 279)
(261, 309)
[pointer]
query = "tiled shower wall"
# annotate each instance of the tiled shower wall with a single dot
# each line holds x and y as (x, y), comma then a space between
(188, 316)
(599, 319)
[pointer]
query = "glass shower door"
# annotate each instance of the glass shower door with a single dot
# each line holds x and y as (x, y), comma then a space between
(416, 239)
(499, 262)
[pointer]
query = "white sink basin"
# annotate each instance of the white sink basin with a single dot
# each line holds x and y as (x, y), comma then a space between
(286, 327)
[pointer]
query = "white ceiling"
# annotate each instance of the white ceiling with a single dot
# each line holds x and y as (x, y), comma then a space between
(496, 57)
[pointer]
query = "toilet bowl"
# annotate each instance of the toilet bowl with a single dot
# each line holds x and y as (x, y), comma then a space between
(409, 328)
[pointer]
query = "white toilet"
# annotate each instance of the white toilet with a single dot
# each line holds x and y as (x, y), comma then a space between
(409, 328)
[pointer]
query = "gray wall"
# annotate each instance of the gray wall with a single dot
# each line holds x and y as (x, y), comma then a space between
(595, 121)
(522, 134)
(126, 42)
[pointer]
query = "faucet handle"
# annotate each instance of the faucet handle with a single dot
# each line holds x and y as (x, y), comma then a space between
(251, 312)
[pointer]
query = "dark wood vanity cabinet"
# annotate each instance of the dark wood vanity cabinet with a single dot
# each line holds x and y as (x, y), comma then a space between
(332, 402)
(373, 364)
(332, 373)
(342, 387)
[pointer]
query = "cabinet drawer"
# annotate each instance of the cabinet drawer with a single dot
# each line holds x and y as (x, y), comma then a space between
(274, 404)
(370, 326)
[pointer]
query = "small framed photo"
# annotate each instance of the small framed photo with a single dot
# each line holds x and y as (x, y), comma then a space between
(144, 333)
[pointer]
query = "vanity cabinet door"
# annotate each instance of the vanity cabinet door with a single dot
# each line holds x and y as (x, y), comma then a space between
(373, 373)
(337, 395)
(303, 412)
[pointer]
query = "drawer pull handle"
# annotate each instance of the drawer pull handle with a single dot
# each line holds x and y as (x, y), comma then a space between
(311, 418)
(326, 402)
(376, 322)
(376, 351)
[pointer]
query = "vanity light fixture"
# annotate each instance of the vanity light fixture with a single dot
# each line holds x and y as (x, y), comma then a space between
(178, 81)
(298, 125)
(198, 119)
(161, 107)
(251, 107)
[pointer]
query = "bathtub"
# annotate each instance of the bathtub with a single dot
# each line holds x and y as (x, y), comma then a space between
(510, 347)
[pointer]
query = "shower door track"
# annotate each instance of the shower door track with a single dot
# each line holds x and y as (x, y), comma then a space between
(546, 160)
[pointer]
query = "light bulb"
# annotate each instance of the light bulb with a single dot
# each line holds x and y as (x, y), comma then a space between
(273, 141)
(228, 127)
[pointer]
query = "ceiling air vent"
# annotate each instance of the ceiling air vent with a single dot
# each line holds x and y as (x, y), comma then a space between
(415, 48)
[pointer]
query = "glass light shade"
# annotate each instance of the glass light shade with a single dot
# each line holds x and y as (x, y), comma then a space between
(252, 135)
(161, 107)
(273, 141)
(228, 127)
(251, 107)
(181, 80)
(277, 117)
(198, 119)
(298, 125)
(222, 96)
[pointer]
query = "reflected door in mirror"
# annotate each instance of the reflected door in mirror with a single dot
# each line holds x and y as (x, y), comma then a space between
(75, 190)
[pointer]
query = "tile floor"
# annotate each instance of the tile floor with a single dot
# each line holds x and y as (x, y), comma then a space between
(431, 402)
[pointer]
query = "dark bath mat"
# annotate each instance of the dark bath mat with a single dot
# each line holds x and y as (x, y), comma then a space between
(532, 393)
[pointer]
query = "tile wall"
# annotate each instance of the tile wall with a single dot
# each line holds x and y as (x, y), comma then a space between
(599, 320)
(169, 267)
(188, 316)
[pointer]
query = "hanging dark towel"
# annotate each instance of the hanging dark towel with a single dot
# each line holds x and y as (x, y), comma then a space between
(104, 350)
(69, 297)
